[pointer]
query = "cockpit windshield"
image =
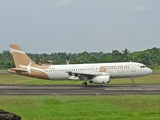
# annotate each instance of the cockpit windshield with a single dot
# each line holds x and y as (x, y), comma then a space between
(143, 66)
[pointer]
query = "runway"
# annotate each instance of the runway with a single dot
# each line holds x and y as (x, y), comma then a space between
(78, 90)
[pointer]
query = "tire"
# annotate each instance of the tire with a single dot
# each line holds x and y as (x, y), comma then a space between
(84, 84)
(133, 84)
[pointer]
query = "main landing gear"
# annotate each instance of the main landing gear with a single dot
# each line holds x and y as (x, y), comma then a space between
(132, 79)
(84, 84)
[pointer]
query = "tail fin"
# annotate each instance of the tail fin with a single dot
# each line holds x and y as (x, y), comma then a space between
(19, 56)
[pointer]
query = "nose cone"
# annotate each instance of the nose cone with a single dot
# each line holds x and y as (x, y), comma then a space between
(149, 71)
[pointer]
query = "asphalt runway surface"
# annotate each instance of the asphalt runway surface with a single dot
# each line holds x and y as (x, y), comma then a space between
(78, 90)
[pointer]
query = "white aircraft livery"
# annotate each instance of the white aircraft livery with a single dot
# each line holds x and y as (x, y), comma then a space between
(97, 73)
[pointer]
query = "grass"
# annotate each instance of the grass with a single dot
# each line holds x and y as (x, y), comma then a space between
(150, 79)
(156, 70)
(124, 107)
(17, 79)
(3, 70)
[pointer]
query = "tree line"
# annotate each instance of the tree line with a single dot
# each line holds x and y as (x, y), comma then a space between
(150, 57)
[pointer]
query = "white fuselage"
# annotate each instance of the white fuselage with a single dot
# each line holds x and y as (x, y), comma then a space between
(114, 70)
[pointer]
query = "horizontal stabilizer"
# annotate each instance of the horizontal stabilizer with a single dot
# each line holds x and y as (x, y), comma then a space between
(19, 69)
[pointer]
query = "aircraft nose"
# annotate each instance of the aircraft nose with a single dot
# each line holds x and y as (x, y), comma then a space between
(149, 71)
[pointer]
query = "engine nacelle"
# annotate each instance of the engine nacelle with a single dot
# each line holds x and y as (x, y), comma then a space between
(103, 79)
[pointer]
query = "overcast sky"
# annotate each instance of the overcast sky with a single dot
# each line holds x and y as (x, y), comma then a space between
(46, 26)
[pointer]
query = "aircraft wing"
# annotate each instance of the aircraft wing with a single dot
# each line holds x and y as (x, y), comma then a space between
(86, 75)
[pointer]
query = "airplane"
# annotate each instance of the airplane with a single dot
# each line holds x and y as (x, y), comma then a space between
(97, 73)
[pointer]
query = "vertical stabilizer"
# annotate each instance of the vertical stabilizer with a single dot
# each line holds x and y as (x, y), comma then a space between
(19, 56)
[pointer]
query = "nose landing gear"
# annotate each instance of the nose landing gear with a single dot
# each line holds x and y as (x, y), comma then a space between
(84, 84)
(132, 79)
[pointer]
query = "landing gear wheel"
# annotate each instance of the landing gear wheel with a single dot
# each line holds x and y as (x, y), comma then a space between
(84, 84)
(133, 84)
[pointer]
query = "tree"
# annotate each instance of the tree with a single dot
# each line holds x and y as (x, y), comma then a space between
(125, 55)
(117, 56)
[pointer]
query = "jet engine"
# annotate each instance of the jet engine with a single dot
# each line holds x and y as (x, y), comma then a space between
(103, 79)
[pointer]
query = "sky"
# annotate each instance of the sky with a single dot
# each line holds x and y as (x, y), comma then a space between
(48, 26)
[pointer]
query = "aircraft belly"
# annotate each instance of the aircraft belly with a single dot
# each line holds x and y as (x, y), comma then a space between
(122, 74)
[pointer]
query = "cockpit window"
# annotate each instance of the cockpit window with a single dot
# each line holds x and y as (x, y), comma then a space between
(142, 66)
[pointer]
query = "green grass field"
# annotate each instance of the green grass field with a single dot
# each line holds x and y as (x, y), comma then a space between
(2, 70)
(123, 107)
(16, 79)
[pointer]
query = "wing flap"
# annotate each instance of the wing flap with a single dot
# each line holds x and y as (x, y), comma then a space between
(88, 73)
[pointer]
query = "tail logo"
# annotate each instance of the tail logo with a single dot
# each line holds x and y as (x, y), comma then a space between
(17, 51)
